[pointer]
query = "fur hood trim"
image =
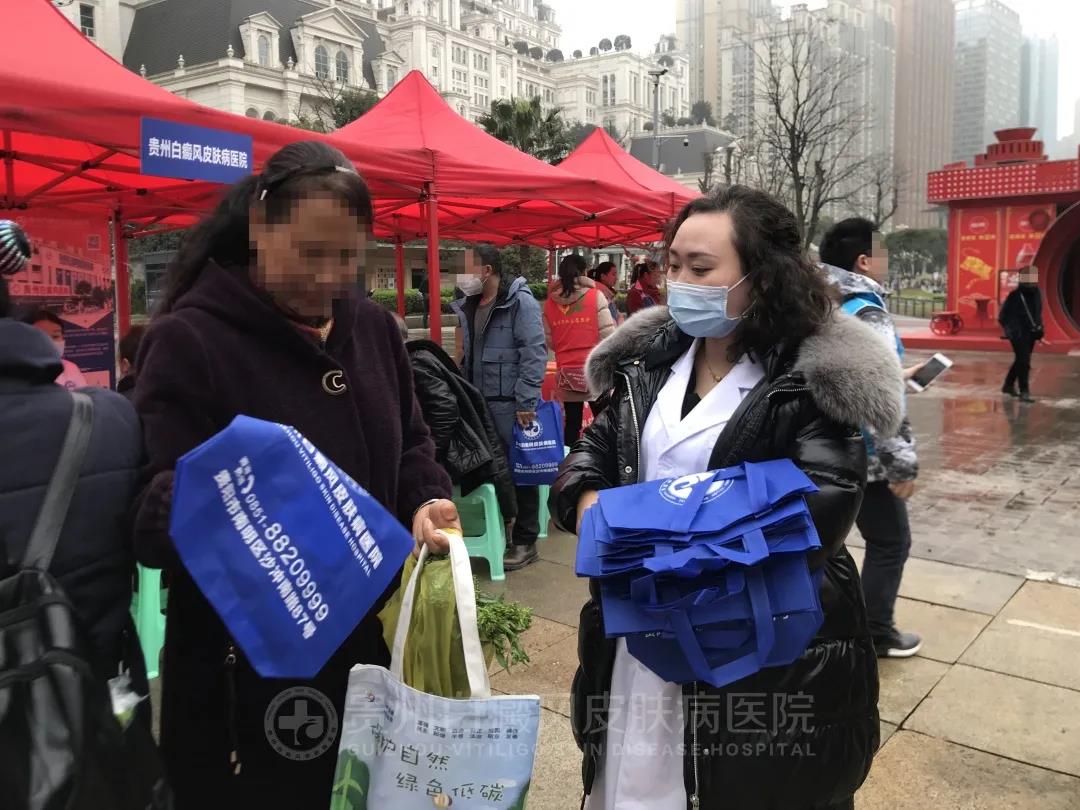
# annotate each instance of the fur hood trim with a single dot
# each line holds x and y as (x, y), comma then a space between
(854, 376)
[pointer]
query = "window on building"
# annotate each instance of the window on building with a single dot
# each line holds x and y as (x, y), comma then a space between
(322, 62)
(252, 112)
(269, 116)
(504, 72)
(264, 50)
(341, 64)
(391, 77)
(481, 100)
(635, 87)
(482, 81)
(460, 55)
(435, 52)
(481, 62)
(86, 19)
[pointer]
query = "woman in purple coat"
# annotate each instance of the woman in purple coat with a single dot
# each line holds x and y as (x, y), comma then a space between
(261, 318)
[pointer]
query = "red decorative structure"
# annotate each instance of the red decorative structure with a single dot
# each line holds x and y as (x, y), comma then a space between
(1012, 209)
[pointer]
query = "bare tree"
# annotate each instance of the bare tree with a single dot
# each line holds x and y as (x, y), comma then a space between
(885, 183)
(705, 184)
(809, 123)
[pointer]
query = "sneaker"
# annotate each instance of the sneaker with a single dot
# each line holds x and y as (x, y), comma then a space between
(1010, 392)
(518, 557)
(1026, 397)
(897, 645)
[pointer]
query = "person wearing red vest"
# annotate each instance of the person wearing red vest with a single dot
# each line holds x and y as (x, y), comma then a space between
(576, 318)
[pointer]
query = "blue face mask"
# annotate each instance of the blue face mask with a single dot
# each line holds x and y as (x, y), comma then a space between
(701, 311)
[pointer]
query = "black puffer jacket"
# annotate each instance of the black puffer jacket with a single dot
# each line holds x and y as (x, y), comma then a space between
(93, 559)
(467, 444)
(805, 409)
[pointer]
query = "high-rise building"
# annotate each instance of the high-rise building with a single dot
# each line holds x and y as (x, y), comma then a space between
(986, 74)
(718, 37)
(924, 99)
(1039, 87)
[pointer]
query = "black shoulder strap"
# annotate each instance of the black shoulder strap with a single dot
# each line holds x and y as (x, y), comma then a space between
(54, 507)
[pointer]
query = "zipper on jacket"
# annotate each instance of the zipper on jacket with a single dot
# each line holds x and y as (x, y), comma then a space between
(695, 797)
(792, 390)
(637, 428)
(230, 710)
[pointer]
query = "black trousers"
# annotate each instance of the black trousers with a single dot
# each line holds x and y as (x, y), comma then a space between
(426, 304)
(1020, 371)
(883, 522)
(574, 415)
(527, 525)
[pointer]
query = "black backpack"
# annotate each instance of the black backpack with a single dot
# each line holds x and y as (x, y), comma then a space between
(61, 747)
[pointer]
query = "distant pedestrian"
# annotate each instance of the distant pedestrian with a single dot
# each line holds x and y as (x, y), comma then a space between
(606, 276)
(1021, 318)
(502, 344)
(858, 266)
(645, 288)
(129, 351)
(49, 323)
(425, 299)
(576, 318)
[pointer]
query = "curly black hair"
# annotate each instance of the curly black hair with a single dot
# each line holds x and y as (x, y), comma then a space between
(789, 297)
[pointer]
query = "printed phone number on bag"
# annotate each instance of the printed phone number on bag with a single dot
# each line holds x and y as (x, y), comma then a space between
(280, 559)
(342, 507)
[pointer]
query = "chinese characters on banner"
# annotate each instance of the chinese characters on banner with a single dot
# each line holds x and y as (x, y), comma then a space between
(188, 152)
(70, 275)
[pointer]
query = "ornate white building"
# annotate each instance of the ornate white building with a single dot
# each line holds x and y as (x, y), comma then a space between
(276, 59)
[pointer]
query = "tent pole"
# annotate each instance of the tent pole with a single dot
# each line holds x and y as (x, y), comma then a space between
(399, 267)
(9, 170)
(434, 280)
(553, 258)
(123, 282)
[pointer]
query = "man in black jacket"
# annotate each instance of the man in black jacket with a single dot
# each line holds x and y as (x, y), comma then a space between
(467, 444)
(1021, 318)
(93, 561)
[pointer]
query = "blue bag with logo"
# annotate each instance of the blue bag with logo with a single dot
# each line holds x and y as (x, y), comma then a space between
(537, 450)
(289, 550)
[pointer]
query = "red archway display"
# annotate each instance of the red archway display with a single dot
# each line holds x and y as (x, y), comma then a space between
(1012, 209)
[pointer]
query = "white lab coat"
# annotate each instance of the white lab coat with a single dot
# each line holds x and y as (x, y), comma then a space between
(642, 768)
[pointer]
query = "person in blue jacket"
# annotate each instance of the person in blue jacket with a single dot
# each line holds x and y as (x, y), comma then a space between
(504, 355)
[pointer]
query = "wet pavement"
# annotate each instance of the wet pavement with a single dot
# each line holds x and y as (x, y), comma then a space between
(999, 487)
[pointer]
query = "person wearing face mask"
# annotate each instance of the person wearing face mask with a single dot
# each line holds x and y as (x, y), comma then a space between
(503, 353)
(1021, 319)
(748, 362)
(49, 322)
(856, 264)
(262, 317)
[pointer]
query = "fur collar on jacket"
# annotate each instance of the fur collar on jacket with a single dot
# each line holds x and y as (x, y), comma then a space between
(853, 375)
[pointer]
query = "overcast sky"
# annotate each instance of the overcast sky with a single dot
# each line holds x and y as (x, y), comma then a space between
(586, 22)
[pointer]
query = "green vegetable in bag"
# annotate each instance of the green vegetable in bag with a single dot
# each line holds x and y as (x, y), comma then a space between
(434, 659)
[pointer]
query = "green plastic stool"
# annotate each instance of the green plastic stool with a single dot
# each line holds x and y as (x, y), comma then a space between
(148, 611)
(480, 508)
(544, 513)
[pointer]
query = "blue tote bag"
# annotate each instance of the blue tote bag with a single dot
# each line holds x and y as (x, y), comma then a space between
(537, 450)
(289, 550)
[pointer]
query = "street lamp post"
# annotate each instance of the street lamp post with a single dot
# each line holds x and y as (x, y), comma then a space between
(655, 74)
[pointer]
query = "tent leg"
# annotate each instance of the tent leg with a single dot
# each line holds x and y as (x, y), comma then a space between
(399, 268)
(9, 171)
(553, 258)
(123, 282)
(434, 280)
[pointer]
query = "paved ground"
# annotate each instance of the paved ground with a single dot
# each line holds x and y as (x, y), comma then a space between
(987, 717)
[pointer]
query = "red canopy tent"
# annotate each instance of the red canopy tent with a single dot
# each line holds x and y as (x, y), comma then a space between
(481, 188)
(601, 157)
(69, 138)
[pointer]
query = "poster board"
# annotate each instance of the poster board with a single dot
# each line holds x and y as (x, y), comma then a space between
(70, 274)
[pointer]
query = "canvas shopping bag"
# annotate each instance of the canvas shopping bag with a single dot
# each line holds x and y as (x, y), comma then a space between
(537, 451)
(288, 549)
(403, 749)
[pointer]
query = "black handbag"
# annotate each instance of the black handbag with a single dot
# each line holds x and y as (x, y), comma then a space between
(61, 747)
(1037, 330)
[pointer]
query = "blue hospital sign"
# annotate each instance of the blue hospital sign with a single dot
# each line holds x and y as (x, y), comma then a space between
(188, 152)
